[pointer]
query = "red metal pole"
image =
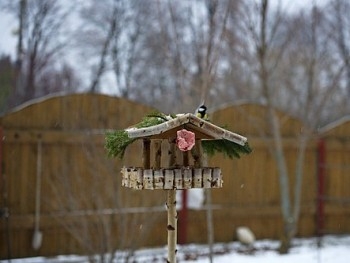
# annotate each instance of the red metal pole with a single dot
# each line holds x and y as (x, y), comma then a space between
(321, 174)
(184, 208)
(183, 219)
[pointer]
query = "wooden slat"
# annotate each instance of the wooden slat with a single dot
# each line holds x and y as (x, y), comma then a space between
(168, 179)
(54, 136)
(148, 179)
(79, 181)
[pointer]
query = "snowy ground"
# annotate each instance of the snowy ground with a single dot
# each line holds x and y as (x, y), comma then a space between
(333, 249)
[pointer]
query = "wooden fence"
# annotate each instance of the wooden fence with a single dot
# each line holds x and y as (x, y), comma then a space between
(57, 179)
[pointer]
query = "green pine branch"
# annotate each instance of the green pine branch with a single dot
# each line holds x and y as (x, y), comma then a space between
(226, 147)
(118, 141)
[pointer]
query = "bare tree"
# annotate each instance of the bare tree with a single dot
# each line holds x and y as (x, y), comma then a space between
(110, 37)
(58, 79)
(40, 41)
(174, 51)
(292, 71)
(95, 210)
(338, 30)
(190, 40)
(104, 18)
(262, 42)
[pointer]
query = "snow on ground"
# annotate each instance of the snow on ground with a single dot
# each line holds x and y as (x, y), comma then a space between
(304, 250)
(333, 249)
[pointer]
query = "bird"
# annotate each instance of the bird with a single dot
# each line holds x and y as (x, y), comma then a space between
(201, 112)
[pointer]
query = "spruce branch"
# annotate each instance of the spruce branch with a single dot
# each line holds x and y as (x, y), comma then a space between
(118, 141)
(228, 148)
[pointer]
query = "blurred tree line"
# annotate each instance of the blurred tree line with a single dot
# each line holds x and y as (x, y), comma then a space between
(175, 54)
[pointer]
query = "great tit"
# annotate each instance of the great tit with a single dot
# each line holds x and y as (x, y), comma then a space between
(201, 112)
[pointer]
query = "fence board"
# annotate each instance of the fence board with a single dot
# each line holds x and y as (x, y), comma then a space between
(79, 181)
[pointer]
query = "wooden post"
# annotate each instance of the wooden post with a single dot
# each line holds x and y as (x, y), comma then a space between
(158, 154)
(197, 154)
(146, 154)
(185, 159)
(172, 214)
(172, 153)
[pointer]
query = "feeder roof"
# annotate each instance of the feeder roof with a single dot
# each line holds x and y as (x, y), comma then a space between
(202, 129)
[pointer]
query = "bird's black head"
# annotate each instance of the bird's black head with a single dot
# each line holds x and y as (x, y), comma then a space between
(202, 109)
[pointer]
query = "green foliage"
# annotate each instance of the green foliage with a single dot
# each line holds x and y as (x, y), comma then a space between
(228, 148)
(152, 119)
(118, 141)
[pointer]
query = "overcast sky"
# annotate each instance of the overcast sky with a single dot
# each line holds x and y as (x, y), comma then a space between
(8, 24)
(7, 40)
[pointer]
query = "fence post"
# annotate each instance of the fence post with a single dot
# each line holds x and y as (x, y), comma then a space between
(4, 210)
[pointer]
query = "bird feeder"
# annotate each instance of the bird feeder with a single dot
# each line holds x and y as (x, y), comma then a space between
(185, 134)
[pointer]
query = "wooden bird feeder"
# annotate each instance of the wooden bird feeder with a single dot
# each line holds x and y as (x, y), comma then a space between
(184, 168)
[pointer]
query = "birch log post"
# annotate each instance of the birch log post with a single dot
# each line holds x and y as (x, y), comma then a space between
(171, 205)
(172, 225)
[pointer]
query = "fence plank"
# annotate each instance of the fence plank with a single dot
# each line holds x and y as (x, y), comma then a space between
(79, 181)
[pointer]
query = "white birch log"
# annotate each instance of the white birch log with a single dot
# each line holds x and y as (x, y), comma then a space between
(197, 178)
(209, 130)
(148, 180)
(123, 172)
(187, 178)
(133, 178)
(158, 179)
(207, 177)
(139, 179)
(169, 179)
(172, 216)
(178, 179)
(172, 225)
(217, 178)
(125, 177)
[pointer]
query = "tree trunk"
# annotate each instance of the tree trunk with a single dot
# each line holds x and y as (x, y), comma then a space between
(287, 235)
